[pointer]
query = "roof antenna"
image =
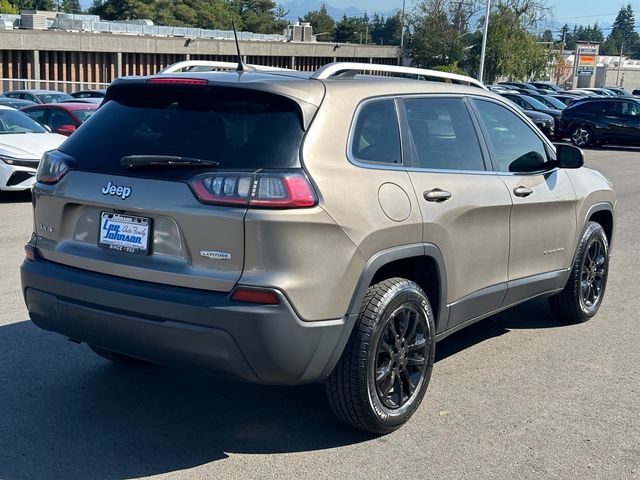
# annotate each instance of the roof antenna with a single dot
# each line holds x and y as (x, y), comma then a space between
(241, 65)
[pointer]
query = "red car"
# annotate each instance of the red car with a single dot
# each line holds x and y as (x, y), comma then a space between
(62, 118)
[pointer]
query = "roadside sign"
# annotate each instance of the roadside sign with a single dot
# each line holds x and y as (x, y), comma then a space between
(586, 57)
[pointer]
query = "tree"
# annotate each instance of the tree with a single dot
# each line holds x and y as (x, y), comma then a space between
(7, 7)
(259, 16)
(623, 35)
(321, 22)
(441, 32)
(71, 6)
(123, 9)
(352, 29)
(511, 51)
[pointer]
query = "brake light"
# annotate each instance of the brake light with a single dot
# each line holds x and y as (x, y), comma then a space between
(52, 167)
(264, 297)
(183, 81)
(264, 190)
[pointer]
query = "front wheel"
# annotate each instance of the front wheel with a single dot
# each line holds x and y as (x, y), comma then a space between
(583, 293)
(582, 136)
(384, 371)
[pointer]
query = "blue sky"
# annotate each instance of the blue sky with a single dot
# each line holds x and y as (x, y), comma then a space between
(563, 11)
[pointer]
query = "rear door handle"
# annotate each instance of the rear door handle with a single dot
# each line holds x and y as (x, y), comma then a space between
(437, 195)
(521, 191)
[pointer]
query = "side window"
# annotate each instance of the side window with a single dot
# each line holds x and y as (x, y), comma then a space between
(58, 119)
(443, 134)
(518, 101)
(516, 147)
(631, 109)
(38, 115)
(377, 134)
(599, 108)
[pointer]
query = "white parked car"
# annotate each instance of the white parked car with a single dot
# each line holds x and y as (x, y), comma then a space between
(23, 141)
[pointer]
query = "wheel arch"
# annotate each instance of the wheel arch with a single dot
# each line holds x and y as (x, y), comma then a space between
(603, 214)
(422, 263)
(602, 211)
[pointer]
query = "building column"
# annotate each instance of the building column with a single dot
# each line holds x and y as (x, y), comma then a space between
(36, 68)
(119, 64)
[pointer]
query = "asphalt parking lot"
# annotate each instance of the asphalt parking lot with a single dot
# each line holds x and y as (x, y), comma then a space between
(519, 395)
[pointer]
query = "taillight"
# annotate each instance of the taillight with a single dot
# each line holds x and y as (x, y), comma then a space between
(30, 253)
(263, 189)
(52, 167)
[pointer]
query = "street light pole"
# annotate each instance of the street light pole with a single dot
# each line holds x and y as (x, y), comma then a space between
(484, 40)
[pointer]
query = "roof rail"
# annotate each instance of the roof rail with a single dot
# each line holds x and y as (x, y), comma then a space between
(207, 65)
(350, 69)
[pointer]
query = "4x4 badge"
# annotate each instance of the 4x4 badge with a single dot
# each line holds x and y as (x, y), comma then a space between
(215, 254)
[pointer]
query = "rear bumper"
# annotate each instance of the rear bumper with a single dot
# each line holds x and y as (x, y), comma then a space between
(183, 327)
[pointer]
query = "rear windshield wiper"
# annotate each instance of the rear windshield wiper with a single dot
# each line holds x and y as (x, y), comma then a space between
(134, 161)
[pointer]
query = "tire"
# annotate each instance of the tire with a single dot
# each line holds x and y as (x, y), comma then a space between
(582, 296)
(402, 362)
(116, 357)
(581, 136)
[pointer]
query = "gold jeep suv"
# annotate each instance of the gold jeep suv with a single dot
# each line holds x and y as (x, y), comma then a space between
(284, 227)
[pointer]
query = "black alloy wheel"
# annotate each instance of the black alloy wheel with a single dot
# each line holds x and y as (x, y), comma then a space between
(401, 356)
(594, 275)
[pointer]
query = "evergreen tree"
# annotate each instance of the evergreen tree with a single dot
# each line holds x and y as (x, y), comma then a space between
(623, 35)
(351, 29)
(322, 23)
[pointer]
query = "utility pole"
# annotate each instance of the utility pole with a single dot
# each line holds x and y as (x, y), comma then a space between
(401, 33)
(620, 62)
(484, 40)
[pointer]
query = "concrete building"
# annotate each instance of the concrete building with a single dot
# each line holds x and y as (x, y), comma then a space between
(50, 57)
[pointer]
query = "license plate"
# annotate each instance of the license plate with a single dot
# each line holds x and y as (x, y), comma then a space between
(124, 233)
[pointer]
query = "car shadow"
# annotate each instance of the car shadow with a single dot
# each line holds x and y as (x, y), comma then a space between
(67, 413)
(615, 148)
(15, 197)
(534, 314)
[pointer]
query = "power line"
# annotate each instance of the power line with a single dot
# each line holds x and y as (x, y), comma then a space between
(585, 16)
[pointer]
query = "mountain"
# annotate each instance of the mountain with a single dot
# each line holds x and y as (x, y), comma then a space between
(298, 8)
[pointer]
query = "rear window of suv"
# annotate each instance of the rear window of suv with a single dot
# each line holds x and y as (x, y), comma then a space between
(238, 128)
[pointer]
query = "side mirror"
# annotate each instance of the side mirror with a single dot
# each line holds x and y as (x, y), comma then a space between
(568, 156)
(66, 129)
(47, 127)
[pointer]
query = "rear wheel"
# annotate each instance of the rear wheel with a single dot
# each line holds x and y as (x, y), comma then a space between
(115, 356)
(583, 294)
(582, 136)
(384, 371)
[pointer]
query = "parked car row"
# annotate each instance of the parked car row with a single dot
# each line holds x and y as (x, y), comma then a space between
(33, 122)
(53, 96)
(588, 117)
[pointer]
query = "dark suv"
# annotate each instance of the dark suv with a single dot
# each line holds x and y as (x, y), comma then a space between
(592, 122)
